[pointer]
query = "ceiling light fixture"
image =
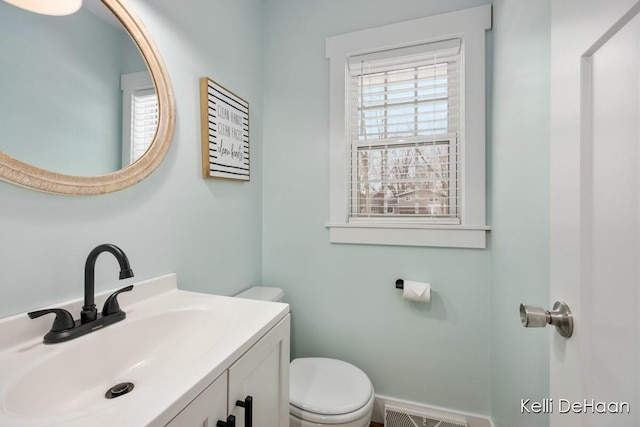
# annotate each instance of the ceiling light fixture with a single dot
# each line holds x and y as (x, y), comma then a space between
(48, 7)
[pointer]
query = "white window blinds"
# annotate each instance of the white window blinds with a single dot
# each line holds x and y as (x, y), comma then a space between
(404, 126)
(144, 121)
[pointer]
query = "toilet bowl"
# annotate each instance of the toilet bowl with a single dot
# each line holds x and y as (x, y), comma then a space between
(328, 392)
(323, 391)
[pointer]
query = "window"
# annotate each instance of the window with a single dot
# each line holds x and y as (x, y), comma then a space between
(407, 132)
(403, 123)
(144, 121)
(140, 111)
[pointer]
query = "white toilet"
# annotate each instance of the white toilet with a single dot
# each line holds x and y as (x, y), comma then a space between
(322, 392)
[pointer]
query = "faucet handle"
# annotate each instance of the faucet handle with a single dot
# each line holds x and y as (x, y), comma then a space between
(63, 321)
(111, 305)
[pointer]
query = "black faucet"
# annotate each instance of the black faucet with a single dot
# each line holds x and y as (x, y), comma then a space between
(64, 327)
(89, 312)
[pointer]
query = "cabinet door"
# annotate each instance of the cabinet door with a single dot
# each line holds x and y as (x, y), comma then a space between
(263, 373)
(206, 409)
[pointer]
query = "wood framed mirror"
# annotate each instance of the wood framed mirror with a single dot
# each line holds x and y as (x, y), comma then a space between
(39, 176)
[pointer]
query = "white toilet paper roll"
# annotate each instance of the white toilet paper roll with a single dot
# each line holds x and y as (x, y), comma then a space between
(417, 291)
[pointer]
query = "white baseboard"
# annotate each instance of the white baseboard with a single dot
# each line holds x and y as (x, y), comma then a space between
(472, 420)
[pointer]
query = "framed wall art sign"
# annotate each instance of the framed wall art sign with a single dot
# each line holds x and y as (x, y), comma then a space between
(225, 132)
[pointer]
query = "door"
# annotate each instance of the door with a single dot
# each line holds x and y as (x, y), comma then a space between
(595, 211)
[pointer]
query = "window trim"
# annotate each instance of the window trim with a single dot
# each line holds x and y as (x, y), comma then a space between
(470, 25)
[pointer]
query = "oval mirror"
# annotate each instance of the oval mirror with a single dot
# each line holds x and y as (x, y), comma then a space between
(87, 106)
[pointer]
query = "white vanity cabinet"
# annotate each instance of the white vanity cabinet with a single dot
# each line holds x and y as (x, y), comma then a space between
(206, 409)
(191, 357)
(263, 374)
(258, 380)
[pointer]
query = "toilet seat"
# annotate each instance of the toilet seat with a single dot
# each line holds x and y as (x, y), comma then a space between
(363, 413)
(328, 391)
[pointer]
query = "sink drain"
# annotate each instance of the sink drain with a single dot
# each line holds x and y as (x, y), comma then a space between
(118, 390)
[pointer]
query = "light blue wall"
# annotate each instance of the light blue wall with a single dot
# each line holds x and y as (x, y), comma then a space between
(520, 206)
(466, 350)
(207, 231)
(343, 297)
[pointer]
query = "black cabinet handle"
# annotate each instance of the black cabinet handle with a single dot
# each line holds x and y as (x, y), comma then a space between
(231, 422)
(247, 404)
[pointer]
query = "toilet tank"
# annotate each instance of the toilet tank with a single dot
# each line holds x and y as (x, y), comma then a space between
(262, 293)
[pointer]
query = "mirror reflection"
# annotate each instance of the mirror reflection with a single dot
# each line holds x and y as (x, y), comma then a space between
(77, 97)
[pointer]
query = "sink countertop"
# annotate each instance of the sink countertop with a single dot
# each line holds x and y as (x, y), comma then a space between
(191, 339)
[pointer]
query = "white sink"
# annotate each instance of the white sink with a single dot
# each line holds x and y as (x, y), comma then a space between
(135, 351)
(166, 346)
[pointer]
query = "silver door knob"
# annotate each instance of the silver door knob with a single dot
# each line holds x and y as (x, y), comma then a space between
(560, 317)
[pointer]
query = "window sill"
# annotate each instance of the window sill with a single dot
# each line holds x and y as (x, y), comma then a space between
(446, 236)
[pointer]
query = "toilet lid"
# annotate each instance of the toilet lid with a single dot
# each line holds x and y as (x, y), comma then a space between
(327, 386)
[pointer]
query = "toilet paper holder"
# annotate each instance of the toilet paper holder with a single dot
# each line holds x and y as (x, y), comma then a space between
(399, 284)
